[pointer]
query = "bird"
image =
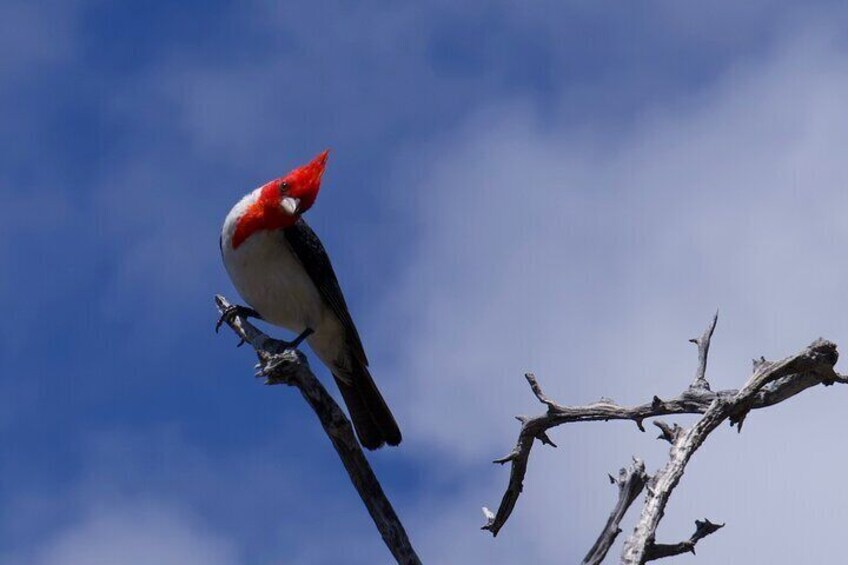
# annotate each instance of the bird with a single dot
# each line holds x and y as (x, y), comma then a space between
(281, 269)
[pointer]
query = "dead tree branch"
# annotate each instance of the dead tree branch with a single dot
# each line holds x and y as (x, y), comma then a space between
(703, 344)
(703, 528)
(279, 365)
(771, 383)
(630, 483)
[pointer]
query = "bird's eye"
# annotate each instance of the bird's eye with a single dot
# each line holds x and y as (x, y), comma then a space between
(284, 186)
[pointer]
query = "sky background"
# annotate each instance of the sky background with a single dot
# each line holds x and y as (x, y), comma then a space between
(565, 188)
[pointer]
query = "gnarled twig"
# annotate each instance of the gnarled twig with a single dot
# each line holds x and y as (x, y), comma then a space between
(770, 384)
(703, 528)
(817, 360)
(630, 483)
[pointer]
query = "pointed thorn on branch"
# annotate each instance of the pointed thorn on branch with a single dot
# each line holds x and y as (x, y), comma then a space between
(669, 433)
(507, 458)
(739, 419)
(545, 439)
(708, 526)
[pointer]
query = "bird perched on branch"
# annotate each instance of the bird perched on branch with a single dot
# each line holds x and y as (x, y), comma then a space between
(280, 268)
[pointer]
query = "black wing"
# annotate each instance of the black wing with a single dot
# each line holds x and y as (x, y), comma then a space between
(374, 423)
(309, 251)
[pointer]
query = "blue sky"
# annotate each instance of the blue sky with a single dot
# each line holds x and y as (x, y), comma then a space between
(568, 188)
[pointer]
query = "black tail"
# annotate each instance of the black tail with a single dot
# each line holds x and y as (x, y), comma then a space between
(371, 417)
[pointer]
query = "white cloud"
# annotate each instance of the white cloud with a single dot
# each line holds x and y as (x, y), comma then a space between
(592, 256)
(136, 532)
(587, 256)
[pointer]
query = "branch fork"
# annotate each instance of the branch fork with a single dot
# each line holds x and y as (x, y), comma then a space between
(770, 384)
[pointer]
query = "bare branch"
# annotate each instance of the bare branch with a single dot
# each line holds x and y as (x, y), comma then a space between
(817, 359)
(537, 390)
(702, 530)
(288, 366)
(669, 433)
(630, 483)
(771, 383)
(703, 344)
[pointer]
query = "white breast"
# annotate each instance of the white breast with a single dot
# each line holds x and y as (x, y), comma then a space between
(269, 276)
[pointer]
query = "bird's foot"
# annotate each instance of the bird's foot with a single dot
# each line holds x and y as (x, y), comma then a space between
(234, 310)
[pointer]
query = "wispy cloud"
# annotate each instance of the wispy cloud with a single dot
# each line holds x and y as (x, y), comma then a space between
(566, 189)
(592, 258)
(135, 532)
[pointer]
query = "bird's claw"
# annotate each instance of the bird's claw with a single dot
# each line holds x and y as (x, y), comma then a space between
(234, 310)
(227, 315)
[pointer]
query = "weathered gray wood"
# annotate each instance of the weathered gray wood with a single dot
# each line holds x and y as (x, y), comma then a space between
(771, 383)
(703, 344)
(280, 365)
(703, 528)
(630, 483)
(816, 360)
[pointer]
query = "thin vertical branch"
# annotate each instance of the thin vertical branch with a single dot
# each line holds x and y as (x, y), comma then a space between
(703, 344)
(630, 483)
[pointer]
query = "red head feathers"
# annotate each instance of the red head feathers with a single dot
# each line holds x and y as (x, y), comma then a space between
(281, 201)
(304, 182)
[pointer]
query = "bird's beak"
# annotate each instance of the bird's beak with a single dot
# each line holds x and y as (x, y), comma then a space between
(291, 205)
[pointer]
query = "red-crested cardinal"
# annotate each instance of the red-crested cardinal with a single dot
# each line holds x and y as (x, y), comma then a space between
(280, 268)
